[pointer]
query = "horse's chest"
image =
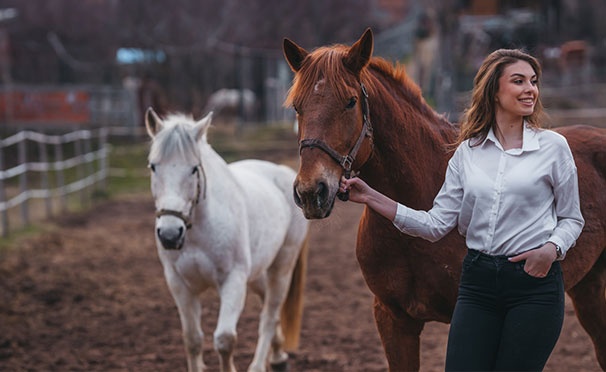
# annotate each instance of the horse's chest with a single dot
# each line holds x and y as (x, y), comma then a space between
(197, 269)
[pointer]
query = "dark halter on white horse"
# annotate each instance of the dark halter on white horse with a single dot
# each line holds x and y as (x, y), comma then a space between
(345, 161)
(187, 218)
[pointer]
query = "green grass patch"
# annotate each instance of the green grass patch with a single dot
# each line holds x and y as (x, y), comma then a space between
(128, 171)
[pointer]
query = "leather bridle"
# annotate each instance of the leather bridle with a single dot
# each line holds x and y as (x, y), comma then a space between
(187, 218)
(345, 161)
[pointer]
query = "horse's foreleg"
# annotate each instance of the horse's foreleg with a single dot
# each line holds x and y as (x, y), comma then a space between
(190, 312)
(589, 301)
(233, 296)
(270, 331)
(400, 337)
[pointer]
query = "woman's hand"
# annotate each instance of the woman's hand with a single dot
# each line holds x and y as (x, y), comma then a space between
(538, 261)
(358, 189)
(360, 192)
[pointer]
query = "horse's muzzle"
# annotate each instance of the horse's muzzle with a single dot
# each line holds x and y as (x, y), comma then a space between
(171, 238)
(316, 203)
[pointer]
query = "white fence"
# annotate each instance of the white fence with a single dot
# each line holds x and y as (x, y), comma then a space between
(83, 165)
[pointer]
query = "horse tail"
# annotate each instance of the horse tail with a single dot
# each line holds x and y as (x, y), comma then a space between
(292, 310)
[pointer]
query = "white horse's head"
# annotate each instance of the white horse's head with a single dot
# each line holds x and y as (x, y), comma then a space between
(177, 177)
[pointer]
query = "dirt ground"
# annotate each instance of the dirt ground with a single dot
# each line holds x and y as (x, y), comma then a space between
(89, 295)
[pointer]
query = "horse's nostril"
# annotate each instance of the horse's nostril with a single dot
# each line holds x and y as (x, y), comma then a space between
(322, 191)
(296, 197)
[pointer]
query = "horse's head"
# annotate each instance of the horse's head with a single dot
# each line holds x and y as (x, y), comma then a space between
(335, 135)
(176, 173)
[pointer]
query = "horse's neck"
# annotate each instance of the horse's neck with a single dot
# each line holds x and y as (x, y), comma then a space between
(218, 180)
(410, 156)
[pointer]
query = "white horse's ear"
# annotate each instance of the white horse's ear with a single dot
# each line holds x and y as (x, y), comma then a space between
(202, 126)
(153, 123)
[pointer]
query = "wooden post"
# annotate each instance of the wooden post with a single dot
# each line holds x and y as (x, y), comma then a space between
(103, 159)
(4, 214)
(59, 174)
(80, 168)
(44, 183)
(23, 182)
(89, 167)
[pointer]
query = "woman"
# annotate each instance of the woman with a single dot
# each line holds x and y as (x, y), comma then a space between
(511, 188)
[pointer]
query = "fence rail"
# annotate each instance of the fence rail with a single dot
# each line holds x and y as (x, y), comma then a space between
(89, 161)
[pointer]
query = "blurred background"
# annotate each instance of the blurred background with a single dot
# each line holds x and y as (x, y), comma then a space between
(100, 62)
(76, 65)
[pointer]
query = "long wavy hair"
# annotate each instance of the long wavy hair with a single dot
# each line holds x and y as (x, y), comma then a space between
(480, 116)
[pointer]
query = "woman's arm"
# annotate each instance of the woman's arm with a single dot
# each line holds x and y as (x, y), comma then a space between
(360, 192)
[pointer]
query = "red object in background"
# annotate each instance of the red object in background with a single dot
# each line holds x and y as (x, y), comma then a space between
(45, 107)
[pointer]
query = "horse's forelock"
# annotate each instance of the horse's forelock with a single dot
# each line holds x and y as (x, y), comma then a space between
(175, 139)
(324, 63)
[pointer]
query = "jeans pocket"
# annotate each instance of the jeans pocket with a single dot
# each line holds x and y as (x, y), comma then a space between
(470, 259)
(554, 271)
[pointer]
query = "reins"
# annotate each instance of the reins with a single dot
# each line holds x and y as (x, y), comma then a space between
(345, 161)
(187, 218)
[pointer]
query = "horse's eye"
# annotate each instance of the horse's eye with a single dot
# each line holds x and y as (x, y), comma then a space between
(152, 166)
(195, 170)
(352, 102)
(296, 109)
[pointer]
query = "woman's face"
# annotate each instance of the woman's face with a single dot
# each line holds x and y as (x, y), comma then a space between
(518, 90)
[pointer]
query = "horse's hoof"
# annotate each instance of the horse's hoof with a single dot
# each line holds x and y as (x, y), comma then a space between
(280, 366)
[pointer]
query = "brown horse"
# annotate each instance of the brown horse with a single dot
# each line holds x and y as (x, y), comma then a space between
(359, 113)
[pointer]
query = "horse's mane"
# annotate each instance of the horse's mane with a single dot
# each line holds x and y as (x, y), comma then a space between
(380, 78)
(327, 63)
(177, 138)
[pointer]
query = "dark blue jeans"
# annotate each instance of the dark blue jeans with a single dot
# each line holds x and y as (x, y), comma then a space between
(504, 319)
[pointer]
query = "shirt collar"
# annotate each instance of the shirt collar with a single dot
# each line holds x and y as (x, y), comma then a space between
(530, 140)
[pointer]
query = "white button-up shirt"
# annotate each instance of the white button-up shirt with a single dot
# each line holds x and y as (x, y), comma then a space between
(505, 202)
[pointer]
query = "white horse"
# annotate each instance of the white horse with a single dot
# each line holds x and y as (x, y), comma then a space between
(225, 227)
(230, 102)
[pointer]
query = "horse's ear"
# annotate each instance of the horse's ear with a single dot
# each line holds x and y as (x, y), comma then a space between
(360, 52)
(294, 54)
(202, 126)
(153, 123)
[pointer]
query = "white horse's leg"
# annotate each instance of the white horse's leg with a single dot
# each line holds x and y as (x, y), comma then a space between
(233, 296)
(190, 312)
(270, 331)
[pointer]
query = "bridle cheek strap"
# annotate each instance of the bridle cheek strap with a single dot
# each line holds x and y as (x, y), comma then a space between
(186, 218)
(345, 161)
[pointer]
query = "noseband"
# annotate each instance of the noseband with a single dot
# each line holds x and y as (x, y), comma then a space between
(345, 161)
(186, 218)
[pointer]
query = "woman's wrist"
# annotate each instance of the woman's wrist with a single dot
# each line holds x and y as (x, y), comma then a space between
(556, 250)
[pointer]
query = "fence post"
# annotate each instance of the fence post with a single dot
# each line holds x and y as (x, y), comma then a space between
(60, 175)
(90, 165)
(3, 194)
(44, 183)
(23, 182)
(80, 167)
(103, 158)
